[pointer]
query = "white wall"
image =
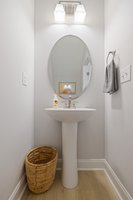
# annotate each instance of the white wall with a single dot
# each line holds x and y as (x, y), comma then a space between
(119, 107)
(48, 131)
(16, 101)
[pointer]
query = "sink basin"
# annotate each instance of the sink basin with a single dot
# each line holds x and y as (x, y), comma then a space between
(70, 114)
(69, 118)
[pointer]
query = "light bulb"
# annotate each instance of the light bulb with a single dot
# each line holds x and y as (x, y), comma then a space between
(69, 87)
(65, 86)
(59, 13)
(80, 14)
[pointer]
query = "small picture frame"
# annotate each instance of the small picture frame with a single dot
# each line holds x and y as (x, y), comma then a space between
(67, 88)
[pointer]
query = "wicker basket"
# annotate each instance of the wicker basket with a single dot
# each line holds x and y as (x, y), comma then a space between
(40, 167)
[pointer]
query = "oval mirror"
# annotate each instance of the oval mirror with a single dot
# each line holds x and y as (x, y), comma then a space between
(69, 67)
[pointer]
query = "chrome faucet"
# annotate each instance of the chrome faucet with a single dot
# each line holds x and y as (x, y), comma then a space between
(69, 101)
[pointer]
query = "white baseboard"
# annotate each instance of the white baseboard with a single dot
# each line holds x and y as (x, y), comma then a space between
(59, 164)
(90, 164)
(102, 164)
(116, 183)
(19, 189)
(84, 165)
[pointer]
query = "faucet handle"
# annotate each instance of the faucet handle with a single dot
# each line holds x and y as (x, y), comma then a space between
(74, 104)
(64, 104)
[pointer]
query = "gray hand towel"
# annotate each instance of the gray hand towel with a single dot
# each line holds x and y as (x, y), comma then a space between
(111, 78)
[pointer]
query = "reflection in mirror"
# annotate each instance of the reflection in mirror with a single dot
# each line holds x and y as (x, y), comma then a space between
(69, 67)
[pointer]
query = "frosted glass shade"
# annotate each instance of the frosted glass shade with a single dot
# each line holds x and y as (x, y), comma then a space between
(59, 13)
(80, 14)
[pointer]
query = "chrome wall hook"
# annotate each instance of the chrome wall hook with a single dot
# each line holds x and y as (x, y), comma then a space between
(113, 53)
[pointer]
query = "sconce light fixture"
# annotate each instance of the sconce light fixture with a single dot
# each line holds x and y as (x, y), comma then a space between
(59, 13)
(80, 14)
(73, 9)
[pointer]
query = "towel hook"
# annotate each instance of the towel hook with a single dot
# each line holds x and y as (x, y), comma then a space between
(110, 52)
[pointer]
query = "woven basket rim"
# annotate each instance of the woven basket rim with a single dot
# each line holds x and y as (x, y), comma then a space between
(41, 164)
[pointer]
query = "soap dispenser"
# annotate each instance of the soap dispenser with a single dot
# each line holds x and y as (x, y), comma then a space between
(55, 101)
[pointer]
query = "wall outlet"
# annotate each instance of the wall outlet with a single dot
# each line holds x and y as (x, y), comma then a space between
(125, 74)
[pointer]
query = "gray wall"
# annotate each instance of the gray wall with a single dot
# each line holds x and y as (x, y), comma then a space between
(119, 107)
(48, 131)
(16, 101)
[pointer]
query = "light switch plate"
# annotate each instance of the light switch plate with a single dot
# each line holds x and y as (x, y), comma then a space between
(125, 74)
(24, 79)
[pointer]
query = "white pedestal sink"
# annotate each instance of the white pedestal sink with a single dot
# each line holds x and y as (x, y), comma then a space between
(69, 118)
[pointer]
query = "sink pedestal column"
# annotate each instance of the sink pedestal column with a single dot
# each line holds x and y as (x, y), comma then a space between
(69, 154)
(69, 118)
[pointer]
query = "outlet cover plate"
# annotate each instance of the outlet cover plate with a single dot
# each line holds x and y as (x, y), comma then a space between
(125, 74)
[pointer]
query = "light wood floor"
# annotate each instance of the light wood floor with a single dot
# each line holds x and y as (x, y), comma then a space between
(93, 185)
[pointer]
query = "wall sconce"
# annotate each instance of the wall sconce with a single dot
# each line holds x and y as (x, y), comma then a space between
(59, 13)
(72, 9)
(80, 14)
